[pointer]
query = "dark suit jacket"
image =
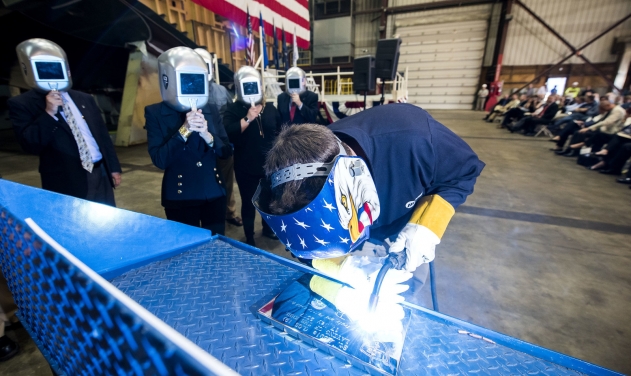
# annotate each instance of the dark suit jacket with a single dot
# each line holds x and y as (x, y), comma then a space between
(550, 112)
(59, 161)
(250, 148)
(308, 113)
(190, 172)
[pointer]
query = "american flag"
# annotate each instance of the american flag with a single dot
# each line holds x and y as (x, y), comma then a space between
(249, 48)
(292, 14)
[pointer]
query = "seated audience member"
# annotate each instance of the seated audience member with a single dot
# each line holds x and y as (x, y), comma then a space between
(502, 108)
(588, 108)
(593, 131)
(572, 91)
(618, 150)
(520, 111)
(587, 91)
(627, 102)
(542, 91)
(542, 117)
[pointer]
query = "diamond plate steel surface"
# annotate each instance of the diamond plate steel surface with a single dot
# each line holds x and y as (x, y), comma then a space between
(81, 327)
(210, 294)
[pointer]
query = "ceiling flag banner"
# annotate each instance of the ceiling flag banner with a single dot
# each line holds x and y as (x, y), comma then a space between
(292, 14)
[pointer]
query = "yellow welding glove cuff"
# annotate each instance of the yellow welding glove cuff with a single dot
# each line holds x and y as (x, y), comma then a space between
(433, 212)
(330, 266)
(327, 289)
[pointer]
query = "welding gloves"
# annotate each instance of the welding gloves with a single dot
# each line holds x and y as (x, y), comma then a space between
(360, 272)
(419, 237)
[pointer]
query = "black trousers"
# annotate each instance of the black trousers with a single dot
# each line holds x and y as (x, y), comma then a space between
(618, 151)
(210, 215)
(531, 124)
(566, 132)
(598, 140)
(512, 114)
(581, 137)
(99, 187)
(247, 188)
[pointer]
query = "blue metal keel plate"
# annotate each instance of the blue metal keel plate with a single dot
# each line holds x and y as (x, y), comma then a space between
(210, 294)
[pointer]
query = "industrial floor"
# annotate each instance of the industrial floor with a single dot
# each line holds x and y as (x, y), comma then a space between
(541, 251)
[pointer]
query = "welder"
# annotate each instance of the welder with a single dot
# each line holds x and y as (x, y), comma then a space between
(391, 175)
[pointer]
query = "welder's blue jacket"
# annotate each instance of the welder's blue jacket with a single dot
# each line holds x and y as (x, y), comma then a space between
(421, 169)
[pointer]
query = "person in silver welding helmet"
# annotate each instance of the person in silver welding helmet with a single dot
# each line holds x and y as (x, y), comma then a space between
(252, 126)
(297, 105)
(220, 97)
(185, 137)
(63, 126)
(390, 176)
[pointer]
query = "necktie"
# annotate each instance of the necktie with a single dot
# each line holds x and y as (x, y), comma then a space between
(292, 111)
(542, 112)
(84, 152)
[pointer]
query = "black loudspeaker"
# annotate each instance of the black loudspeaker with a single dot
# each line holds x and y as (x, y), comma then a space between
(387, 58)
(364, 74)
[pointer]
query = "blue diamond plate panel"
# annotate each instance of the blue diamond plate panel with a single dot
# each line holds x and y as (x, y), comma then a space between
(81, 328)
(210, 294)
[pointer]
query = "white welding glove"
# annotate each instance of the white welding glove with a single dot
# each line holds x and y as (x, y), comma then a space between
(419, 244)
(361, 271)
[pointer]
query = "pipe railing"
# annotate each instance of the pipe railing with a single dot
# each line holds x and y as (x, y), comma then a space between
(399, 84)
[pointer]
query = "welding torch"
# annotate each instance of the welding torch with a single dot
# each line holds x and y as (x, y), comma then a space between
(394, 260)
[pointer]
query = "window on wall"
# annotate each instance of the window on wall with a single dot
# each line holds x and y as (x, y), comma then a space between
(332, 8)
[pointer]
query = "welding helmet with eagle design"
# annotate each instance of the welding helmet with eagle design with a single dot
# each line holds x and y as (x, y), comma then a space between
(44, 65)
(338, 219)
(183, 79)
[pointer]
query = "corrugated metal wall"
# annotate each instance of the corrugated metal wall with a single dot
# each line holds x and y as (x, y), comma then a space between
(578, 21)
(443, 51)
(366, 28)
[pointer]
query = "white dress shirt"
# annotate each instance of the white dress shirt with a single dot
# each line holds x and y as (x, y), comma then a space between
(93, 147)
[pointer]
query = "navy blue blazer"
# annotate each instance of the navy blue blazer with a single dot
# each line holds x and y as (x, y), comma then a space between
(59, 161)
(410, 155)
(307, 114)
(191, 175)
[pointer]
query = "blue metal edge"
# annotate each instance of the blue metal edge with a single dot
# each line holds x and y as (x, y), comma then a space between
(499, 338)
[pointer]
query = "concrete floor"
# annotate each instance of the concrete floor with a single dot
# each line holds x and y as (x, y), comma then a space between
(541, 251)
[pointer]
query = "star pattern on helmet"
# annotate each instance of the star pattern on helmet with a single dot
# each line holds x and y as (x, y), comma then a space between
(344, 240)
(301, 224)
(308, 210)
(283, 226)
(327, 226)
(329, 206)
(302, 242)
(288, 244)
(320, 241)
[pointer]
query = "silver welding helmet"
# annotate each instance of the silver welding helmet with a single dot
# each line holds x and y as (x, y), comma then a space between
(183, 79)
(248, 85)
(208, 59)
(44, 65)
(295, 81)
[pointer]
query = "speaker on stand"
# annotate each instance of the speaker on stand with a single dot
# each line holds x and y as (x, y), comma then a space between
(364, 75)
(387, 62)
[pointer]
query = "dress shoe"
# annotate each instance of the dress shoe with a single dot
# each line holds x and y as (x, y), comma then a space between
(270, 234)
(8, 348)
(563, 152)
(236, 221)
(609, 171)
(624, 180)
(556, 149)
(573, 153)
